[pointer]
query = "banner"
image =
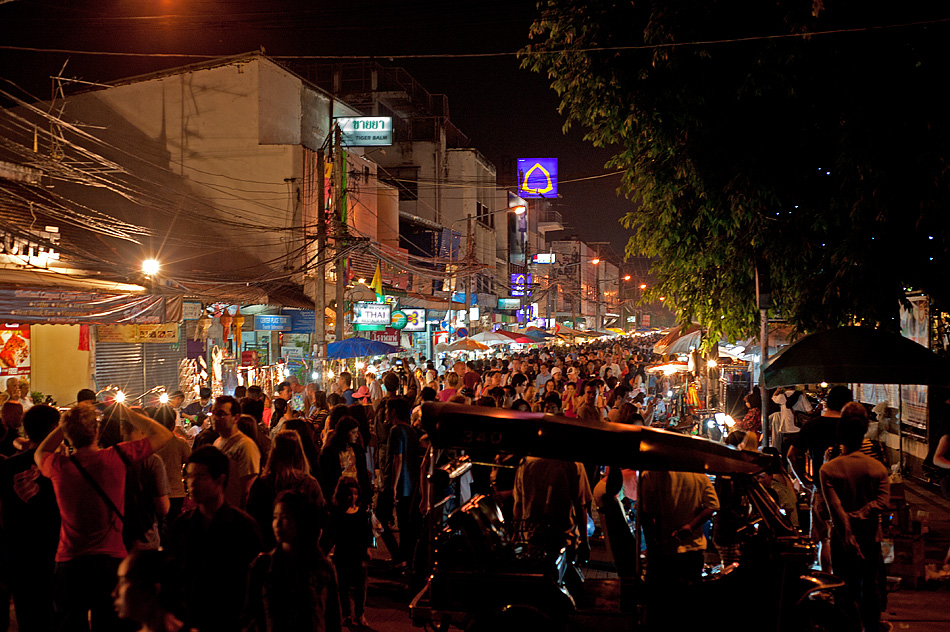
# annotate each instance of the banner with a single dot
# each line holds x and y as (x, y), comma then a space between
(15, 351)
(389, 335)
(134, 334)
(65, 307)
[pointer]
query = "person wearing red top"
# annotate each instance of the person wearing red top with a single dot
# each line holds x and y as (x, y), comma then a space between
(90, 538)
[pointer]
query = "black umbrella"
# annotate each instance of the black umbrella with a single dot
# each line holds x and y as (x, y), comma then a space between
(855, 354)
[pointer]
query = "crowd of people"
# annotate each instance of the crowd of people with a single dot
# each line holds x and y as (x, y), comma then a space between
(258, 511)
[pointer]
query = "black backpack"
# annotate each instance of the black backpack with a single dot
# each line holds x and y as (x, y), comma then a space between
(139, 512)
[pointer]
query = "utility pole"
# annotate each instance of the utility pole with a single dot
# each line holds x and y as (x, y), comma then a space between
(469, 296)
(339, 228)
(763, 295)
(320, 275)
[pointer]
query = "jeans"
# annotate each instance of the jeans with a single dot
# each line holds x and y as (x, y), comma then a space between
(83, 585)
(351, 575)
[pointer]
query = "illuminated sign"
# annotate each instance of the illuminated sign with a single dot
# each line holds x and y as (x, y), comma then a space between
(537, 177)
(544, 257)
(267, 322)
(416, 318)
(372, 314)
(519, 283)
(399, 320)
(509, 303)
(366, 131)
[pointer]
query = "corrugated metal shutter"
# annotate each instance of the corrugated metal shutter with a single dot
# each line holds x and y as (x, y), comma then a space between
(138, 368)
(161, 363)
(120, 363)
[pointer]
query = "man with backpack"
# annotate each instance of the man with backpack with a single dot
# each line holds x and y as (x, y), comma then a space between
(90, 490)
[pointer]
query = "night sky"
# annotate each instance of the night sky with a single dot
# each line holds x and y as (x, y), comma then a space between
(506, 112)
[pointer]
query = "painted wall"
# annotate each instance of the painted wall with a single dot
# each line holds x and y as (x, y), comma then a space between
(57, 367)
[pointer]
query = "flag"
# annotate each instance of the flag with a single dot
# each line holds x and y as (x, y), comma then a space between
(377, 283)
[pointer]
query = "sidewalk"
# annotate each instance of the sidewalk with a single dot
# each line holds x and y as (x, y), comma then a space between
(924, 606)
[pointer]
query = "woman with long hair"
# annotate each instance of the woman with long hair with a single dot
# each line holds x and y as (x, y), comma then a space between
(343, 455)
(287, 469)
(293, 588)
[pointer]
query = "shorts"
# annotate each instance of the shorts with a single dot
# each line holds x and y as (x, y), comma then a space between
(820, 518)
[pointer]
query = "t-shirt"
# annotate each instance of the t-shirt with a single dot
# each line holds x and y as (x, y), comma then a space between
(244, 460)
(210, 562)
(673, 499)
(348, 396)
(403, 440)
(815, 437)
(30, 513)
(471, 379)
(174, 455)
(545, 494)
(154, 483)
(88, 526)
(447, 393)
(862, 486)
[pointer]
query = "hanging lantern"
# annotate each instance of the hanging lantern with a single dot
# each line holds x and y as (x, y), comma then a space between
(236, 326)
(225, 321)
(204, 324)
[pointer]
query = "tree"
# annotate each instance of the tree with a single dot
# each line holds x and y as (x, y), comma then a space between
(811, 136)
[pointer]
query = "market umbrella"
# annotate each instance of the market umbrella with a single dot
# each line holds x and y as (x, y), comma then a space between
(466, 344)
(685, 344)
(359, 347)
(515, 337)
(662, 345)
(492, 338)
(855, 354)
(537, 335)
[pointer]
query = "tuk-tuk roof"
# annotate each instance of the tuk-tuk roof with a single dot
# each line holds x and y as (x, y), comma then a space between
(480, 428)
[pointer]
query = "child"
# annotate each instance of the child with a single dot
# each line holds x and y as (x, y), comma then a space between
(349, 536)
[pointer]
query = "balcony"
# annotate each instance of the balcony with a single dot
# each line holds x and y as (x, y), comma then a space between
(550, 220)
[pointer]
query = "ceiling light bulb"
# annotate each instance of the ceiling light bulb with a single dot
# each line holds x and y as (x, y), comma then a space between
(150, 266)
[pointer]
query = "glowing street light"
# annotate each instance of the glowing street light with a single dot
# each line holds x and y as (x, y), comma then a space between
(163, 398)
(643, 286)
(519, 209)
(119, 396)
(626, 277)
(151, 266)
(595, 261)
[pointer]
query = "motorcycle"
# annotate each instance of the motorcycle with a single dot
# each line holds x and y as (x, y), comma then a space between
(481, 578)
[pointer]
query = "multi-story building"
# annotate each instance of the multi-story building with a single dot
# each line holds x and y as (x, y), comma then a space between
(208, 169)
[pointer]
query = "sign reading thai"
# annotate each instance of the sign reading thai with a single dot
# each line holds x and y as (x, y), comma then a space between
(372, 314)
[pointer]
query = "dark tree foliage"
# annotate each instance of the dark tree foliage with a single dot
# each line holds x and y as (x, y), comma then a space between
(746, 133)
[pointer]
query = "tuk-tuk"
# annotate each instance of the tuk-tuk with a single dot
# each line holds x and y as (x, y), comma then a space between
(481, 579)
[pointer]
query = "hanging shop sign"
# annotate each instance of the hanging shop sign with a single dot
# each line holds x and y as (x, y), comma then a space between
(543, 257)
(399, 320)
(372, 314)
(65, 307)
(537, 177)
(366, 131)
(509, 303)
(14, 350)
(301, 320)
(415, 318)
(135, 334)
(191, 311)
(271, 322)
(389, 335)
(520, 283)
